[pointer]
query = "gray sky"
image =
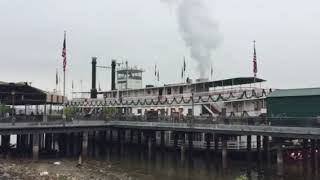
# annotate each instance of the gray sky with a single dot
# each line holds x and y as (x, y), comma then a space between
(145, 32)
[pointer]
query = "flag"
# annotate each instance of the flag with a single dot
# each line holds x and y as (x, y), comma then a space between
(155, 70)
(158, 76)
(184, 64)
(64, 53)
(211, 72)
(182, 73)
(255, 68)
(72, 85)
(57, 78)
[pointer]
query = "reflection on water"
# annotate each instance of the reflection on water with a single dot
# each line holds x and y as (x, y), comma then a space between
(169, 165)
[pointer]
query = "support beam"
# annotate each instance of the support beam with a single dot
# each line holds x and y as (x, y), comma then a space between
(139, 137)
(131, 136)
(81, 151)
(190, 141)
(259, 148)
(314, 158)
(36, 148)
(162, 139)
(249, 145)
(279, 159)
(30, 145)
(175, 139)
(84, 140)
(208, 137)
(182, 147)
(266, 149)
(111, 136)
(216, 145)
(305, 149)
(224, 152)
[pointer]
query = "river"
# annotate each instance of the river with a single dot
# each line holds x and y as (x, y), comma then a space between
(169, 165)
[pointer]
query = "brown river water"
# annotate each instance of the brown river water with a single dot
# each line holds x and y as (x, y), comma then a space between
(135, 163)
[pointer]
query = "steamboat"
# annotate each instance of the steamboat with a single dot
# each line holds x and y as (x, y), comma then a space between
(202, 100)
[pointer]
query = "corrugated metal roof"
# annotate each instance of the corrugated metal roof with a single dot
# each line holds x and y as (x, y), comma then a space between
(295, 92)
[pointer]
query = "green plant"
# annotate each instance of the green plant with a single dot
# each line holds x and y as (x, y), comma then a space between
(109, 111)
(242, 177)
(60, 177)
(4, 109)
(69, 112)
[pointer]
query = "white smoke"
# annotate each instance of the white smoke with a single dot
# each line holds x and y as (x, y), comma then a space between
(199, 31)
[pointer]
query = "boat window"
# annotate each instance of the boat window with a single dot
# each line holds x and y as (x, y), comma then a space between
(160, 91)
(169, 91)
(181, 90)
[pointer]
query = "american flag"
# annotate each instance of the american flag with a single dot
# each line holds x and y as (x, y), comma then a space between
(255, 67)
(184, 64)
(64, 53)
(57, 78)
(211, 72)
(158, 76)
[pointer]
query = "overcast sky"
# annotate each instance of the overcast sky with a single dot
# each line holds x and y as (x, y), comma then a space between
(146, 32)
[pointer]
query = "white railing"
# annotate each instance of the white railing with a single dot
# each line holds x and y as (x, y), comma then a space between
(226, 93)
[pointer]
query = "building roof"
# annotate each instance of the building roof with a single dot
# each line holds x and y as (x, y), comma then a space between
(232, 81)
(295, 92)
(23, 94)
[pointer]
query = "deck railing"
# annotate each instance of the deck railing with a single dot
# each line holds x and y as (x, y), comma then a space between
(185, 98)
(313, 122)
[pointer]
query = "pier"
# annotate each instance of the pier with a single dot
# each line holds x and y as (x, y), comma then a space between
(79, 137)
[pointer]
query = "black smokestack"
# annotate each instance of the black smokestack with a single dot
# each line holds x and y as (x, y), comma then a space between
(113, 75)
(93, 88)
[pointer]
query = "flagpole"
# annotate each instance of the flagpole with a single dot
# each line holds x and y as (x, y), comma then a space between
(64, 55)
(64, 84)
(57, 81)
(254, 61)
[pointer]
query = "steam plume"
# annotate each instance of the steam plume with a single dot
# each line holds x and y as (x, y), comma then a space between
(198, 30)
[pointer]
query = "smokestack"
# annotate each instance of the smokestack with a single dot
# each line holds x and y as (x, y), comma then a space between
(93, 93)
(113, 75)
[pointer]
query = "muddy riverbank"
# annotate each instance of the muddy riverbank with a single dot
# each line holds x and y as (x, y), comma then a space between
(66, 169)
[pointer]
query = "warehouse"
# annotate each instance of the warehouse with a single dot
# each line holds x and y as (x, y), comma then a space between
(290, 106)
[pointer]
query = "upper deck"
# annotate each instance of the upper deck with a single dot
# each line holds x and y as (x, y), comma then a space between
(228, 90)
